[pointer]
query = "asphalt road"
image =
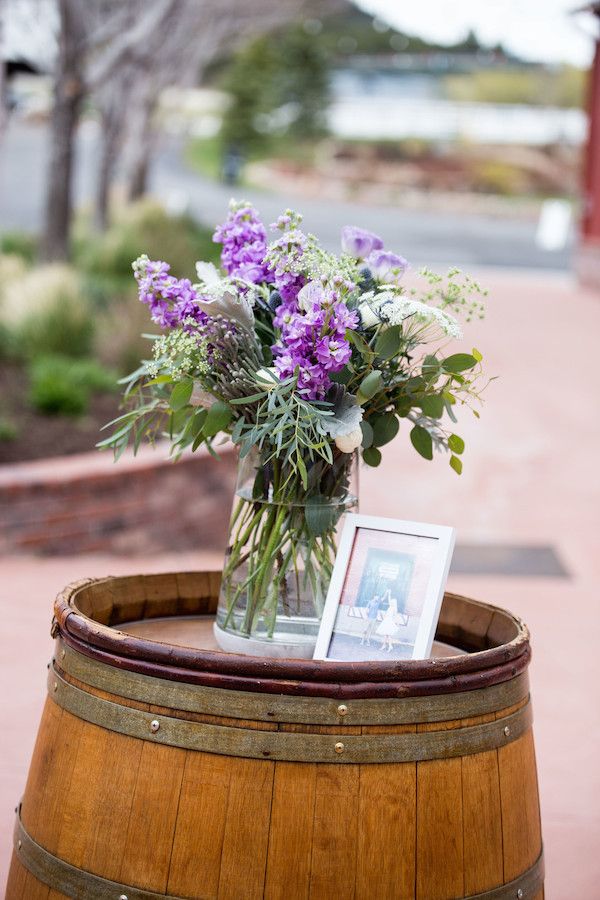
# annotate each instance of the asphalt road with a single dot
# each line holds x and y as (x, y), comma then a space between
(432, 237)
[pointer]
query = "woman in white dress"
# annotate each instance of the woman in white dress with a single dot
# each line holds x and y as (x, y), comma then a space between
(389, 624)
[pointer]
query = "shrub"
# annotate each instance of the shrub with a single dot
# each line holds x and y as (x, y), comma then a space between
(8, 430)
(12, 267)
(48, 313)
(62, 386)
(142, 227)
(9, 348)
(119, 339)
(496, 177)
(20, 244)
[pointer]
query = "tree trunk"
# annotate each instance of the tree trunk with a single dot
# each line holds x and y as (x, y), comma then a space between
(111, 131)
(142, 140)
(138, 178)
(3, 103)
(68, 95)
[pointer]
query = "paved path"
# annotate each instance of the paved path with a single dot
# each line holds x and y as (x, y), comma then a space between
(531, 477)
(431, 238)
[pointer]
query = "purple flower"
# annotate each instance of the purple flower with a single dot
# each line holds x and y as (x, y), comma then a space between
(345, 318)
(358, 242)
(244, 240)
(171, 300)
(288, 284)
(386, 267)
(332, 351)
(312, 292)
(312, 342)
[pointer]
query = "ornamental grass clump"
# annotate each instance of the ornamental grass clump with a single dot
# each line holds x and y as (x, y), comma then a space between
(303, 359)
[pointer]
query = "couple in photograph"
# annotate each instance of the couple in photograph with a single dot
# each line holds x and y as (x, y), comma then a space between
(388, 627)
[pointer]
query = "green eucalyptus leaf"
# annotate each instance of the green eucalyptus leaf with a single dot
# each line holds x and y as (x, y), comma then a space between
(456, 443)
(421, 441)
(432, 406)
(258, 488)
(180, 395)
(238, 401)
(372, 456)
(218, 418)
(459, 362)
(160, 379)
(342, 377)
(238, 429)
(431, 366)
(199, 439)
(456, 464)
(385, 429)
(359, 342)
(477, 354)
(388, 343)
(449, 402)
(177, 421)
(303, 473)
(320, 514)
(403, 407)
(370, 384)
(415, 384)
(367, 432)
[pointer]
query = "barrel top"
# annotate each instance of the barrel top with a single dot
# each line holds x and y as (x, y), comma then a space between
(88, 613)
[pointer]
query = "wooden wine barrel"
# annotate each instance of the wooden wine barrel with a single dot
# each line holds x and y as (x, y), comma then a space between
(165, 770)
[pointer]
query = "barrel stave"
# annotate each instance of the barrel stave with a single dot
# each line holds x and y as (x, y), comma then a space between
(246, 834)
(289, 856)
(201, 819)
(521, 831)
(387, 818)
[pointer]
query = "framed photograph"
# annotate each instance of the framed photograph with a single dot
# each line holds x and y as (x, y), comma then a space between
(386, 590)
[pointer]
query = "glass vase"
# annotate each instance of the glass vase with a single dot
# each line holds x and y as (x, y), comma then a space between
(280, 553)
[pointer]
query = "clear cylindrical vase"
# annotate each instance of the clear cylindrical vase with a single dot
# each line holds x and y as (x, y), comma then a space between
(280, 553)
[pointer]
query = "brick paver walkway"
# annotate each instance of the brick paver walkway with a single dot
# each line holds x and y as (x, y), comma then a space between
(530, 479)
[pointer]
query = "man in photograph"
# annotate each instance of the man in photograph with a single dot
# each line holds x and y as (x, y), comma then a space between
(372, 614)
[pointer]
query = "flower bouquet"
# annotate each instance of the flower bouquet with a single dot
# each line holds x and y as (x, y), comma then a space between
(303, 359)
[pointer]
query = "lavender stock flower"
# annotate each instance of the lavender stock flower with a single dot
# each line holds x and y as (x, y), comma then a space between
(172, 301)
(358, 242)
(244, 240)
(313, 343)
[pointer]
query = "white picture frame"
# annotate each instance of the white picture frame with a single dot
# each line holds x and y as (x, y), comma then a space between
(413, 560)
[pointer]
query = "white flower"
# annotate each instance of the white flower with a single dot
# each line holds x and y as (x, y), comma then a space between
(347, 443)
(368, 311)
(389, 308)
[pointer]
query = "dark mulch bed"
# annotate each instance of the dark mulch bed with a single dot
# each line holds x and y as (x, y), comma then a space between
(40, 435)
